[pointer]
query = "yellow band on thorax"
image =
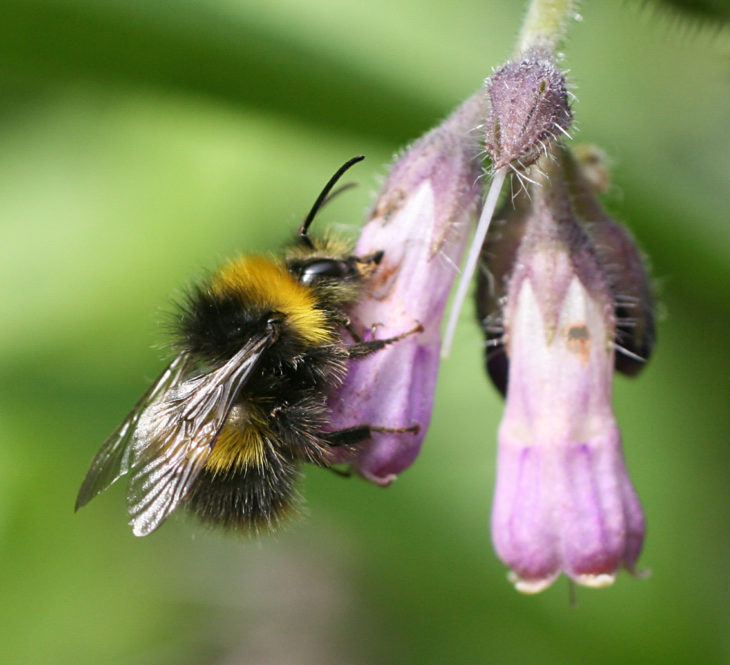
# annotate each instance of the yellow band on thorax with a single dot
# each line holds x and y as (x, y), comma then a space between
(261, 282)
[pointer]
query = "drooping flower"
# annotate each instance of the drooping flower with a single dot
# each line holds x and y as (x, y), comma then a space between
(421, 219)
(552, 304)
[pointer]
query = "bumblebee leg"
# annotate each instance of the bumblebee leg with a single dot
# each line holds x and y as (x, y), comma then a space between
(357, 336)
(353, 333)
(364, 348)
(348, 437)
(354, 435)
(413, 429)
(342, 473)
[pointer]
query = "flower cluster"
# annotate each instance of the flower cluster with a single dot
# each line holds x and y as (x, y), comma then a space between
(564, 300)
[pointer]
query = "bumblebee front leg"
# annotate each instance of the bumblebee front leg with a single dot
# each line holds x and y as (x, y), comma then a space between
(364, 348)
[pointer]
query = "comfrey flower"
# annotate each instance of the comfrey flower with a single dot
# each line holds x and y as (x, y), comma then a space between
(421, 219)
(564, 288)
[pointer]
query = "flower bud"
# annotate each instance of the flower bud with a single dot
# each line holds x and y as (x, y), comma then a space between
(421, 220)
(622, 263)
(593, 164)
(632, 291)
(528, 110)
(563, 500)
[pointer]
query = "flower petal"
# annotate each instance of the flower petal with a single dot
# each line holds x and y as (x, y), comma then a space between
(421, 220)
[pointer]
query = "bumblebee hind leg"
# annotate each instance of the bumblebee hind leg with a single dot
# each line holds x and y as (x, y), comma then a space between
(342, 473)
(352, 436)
(360, 433)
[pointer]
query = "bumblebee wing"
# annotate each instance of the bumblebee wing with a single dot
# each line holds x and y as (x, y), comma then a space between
(175, 437)
(112, 460)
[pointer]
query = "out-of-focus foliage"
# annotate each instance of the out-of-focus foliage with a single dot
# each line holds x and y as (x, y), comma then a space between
(142, 141)
(709, 10)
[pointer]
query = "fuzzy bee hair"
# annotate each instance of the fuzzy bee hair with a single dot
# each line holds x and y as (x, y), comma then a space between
(226, 426)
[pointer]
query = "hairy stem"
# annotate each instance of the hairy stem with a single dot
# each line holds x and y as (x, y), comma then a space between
(545, 25)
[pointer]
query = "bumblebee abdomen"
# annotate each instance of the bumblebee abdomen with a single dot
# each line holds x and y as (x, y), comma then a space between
(248, 481)
(248, 498)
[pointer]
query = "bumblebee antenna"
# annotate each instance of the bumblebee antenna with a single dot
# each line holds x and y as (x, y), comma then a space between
(336, 192)
(322, 198)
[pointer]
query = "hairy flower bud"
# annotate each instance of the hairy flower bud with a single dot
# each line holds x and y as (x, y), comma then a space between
(421, 220)
(594, 168)
(622, 262)
(563, 499)
(528, 102)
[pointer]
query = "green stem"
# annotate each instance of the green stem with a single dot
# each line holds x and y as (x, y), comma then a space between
(545, 25)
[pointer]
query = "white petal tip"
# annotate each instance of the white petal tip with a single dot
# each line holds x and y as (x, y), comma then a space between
(383, 481)
(595, 581)
(530, 586)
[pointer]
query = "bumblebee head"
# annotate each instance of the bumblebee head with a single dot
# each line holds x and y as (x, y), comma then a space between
(334, 275)
(326, 266)
(317, 269)
(329, 261)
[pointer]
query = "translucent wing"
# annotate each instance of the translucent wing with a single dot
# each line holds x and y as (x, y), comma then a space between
(113, 459)
(175, 436)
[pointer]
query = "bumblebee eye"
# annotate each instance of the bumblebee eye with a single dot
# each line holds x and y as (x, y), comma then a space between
(324, 268)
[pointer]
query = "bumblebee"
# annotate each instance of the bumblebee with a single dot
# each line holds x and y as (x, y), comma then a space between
(224, 429)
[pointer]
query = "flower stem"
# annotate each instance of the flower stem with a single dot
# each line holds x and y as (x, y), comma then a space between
(545, 25)
(471, 261)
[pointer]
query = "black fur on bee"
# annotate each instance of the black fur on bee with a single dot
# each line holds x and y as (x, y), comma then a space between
(226, 426)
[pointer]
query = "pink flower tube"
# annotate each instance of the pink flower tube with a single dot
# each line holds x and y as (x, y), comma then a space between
(563, 500)
(421, 220)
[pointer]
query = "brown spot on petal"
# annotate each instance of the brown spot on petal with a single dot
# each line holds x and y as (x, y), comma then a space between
(382, 282)
(390, 205)
(578, 341)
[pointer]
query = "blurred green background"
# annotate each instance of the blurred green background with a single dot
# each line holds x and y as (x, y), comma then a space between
(143, 141)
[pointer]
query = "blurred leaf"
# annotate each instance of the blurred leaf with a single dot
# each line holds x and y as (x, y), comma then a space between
(204, 51)
(718, 10)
